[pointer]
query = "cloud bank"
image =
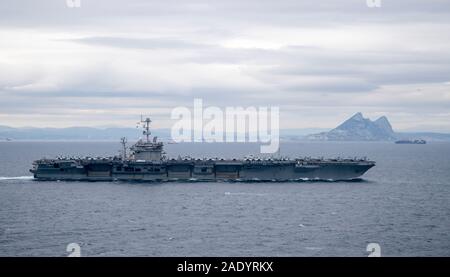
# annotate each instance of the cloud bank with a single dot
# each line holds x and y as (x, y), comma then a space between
(319, 61)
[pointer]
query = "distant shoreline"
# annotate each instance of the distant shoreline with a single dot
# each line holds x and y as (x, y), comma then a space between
(186, 143)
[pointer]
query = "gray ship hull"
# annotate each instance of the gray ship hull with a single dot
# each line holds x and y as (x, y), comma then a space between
(200, 170)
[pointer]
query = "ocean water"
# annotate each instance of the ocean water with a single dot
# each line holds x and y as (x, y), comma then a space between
(403, 204)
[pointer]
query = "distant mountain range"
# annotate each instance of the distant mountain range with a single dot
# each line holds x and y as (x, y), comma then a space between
(72, 133)
(113, 134)
(356, 128)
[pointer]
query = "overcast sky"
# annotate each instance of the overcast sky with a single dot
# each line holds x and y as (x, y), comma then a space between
(107, 62)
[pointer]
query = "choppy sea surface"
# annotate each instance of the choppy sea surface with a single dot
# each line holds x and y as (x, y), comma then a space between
(403, 204)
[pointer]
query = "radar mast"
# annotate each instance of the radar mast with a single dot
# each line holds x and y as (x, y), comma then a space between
(146, 149)
(123, 141)
(146, 126)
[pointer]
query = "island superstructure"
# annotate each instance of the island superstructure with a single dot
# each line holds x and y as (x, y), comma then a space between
(147, 162)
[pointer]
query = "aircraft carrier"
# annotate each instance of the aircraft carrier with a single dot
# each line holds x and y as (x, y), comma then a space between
(147, 162)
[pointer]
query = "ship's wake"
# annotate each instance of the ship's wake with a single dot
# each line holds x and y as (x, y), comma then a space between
(303, 180)
(16, 178)
(245, 193)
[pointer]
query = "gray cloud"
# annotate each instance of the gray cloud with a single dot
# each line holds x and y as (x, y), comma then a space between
(111, 58)
(151, 43)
